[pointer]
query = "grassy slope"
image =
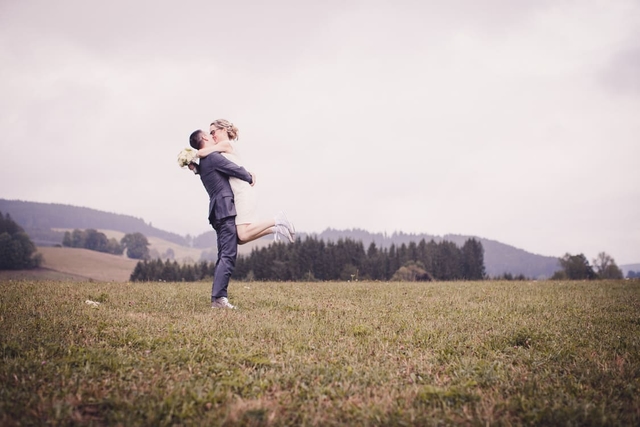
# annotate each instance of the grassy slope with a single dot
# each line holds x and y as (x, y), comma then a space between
(483, 353)
(88, 264)
(186, 254)
(182, 253)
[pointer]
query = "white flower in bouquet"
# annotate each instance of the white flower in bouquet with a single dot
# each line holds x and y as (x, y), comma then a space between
(186, 156)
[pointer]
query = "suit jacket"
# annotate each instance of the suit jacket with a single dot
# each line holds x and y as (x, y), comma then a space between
(215, 171)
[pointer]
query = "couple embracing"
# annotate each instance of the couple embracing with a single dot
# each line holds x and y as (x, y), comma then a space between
(232, 202)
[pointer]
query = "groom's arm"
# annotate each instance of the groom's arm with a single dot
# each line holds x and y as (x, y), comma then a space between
(227, 167)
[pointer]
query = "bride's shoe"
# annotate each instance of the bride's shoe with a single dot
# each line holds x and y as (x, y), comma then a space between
(281, 219)
(282, 231)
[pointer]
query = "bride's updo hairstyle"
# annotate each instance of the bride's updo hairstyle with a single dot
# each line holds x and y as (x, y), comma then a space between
(232, 131)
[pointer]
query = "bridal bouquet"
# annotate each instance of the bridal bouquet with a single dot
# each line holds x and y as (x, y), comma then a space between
(186, 156)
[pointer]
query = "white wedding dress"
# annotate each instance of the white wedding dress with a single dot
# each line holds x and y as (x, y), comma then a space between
(243, 193)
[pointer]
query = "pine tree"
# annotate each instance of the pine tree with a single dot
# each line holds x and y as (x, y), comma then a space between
(473, 260)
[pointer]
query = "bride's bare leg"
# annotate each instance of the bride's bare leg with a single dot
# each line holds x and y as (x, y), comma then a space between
(253, 231)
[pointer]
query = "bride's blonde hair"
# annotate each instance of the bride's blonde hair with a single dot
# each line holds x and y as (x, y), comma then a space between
(232, 131)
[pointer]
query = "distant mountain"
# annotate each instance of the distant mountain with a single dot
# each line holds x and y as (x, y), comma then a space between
(39, 220)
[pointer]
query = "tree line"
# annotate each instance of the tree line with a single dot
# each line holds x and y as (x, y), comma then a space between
(17, 251)
(171, 271)
(312, 259)
(136, 244)
(577, 267)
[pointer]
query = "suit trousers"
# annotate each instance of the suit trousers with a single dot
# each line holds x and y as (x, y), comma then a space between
(227, 254)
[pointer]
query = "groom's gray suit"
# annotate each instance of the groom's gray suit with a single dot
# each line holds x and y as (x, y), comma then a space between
(215, 171)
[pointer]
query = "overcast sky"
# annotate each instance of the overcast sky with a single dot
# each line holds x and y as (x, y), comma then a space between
(517, 121)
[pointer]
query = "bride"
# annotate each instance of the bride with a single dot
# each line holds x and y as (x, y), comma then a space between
(248, 227)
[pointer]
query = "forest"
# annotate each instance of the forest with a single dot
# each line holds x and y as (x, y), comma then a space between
(312, 259)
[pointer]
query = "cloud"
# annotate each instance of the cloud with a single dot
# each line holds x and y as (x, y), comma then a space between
(499, 119)
(622, 74)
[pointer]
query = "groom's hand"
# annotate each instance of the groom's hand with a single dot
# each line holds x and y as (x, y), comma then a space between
(253, 179)
(194, 168)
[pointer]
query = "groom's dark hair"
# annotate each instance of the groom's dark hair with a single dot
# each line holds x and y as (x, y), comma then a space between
(194, 139)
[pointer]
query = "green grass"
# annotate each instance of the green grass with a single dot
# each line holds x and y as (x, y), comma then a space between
(479, 353)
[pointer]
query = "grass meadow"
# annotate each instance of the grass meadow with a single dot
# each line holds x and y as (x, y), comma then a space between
(360, 353)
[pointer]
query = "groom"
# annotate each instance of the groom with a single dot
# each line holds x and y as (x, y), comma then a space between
(214, 172)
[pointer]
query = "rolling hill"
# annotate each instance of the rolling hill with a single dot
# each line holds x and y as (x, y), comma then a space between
(40, 221)
(45, 224)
